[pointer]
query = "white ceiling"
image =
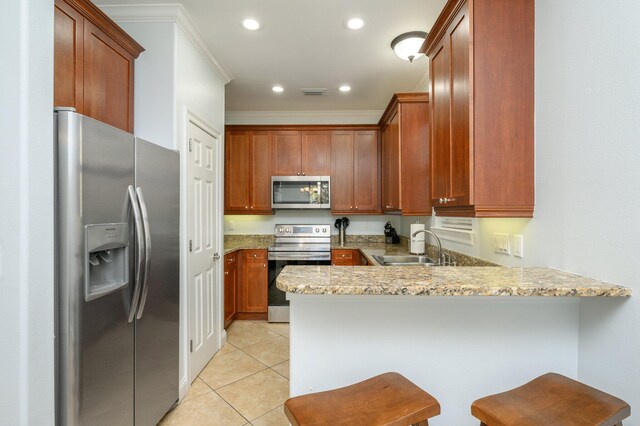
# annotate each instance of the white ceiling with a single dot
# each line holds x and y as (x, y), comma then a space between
(304, 44)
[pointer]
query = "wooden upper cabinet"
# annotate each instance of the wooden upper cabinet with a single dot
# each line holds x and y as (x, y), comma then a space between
(316, 153)
(247, 172)
(482, 133)
(287, 153)
(261, 172)
(93, 64)
(342, 152)
(355, 178)
(67, 58)
(366, 166)
(108, 79)
(301, 153)
(391, 165)
(405, 155)
(237, 159)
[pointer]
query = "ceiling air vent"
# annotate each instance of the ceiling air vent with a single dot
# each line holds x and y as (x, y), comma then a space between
(313, 92)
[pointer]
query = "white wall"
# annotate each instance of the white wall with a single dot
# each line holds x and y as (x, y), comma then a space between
(304, 117)
(155, 73)
(359, 225)
(588, 174)
(26, 214)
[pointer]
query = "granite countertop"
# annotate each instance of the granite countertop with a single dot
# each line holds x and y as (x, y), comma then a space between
(246, 242)
(442, 281)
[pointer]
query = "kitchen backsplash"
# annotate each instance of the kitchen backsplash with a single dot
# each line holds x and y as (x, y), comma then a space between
(255, 224)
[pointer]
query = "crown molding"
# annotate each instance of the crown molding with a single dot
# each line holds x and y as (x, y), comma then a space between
(304, 117)
(175, 13)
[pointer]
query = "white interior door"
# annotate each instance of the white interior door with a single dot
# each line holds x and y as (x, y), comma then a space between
(203, 274)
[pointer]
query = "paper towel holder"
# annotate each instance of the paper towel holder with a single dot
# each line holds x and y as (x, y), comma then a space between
(417, 243)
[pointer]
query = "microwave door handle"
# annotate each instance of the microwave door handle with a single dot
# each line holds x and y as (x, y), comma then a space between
(147, 252)
(137, 219)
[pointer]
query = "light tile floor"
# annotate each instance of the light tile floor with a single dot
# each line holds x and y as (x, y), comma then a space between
(245, 383)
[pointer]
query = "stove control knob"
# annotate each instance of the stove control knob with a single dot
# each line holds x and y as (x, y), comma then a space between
(280, 230)
(317, 230)
(324, 230)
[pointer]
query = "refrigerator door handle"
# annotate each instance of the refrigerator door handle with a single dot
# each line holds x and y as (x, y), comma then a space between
(147, 252)
(137, 218)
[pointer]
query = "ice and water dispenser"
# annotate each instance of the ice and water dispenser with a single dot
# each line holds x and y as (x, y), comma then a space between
(106, 259)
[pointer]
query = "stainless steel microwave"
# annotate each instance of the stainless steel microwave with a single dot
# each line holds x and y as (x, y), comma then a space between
(300, 192)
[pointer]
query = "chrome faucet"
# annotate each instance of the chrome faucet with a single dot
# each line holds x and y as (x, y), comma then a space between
(442, 261)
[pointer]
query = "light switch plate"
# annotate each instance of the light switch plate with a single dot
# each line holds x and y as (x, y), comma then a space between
(501, 243)
(518, 246)
(232, 225)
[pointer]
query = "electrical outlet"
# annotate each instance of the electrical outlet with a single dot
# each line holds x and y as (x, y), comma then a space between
(501, 243)
(232, 225)
(518, 246)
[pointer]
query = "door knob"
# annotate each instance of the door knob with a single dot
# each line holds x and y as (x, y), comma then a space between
(216, 256)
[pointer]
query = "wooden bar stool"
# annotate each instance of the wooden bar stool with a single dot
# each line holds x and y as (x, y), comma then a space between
(388, 399)
(551, 399)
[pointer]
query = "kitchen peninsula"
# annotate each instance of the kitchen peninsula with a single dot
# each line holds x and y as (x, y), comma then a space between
(458, 332)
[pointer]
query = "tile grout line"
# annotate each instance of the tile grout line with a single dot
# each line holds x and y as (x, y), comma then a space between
(229, 403)
(232, 407)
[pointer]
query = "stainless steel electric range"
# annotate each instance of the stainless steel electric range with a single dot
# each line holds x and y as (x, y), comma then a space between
(295, 245)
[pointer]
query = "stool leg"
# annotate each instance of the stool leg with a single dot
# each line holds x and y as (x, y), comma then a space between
(422, 423)
(483, 424)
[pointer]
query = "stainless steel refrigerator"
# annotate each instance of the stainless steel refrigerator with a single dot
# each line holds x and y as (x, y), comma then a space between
(117, 275)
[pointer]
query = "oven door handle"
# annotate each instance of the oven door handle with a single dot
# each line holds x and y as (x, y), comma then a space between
(300, 256)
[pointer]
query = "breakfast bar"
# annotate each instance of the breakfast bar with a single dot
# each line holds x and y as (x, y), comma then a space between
(459, 332)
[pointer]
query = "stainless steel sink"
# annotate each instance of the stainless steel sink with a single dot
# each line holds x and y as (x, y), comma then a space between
(404, 260)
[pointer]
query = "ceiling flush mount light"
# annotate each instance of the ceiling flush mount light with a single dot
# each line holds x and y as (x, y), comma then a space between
(277, 89)
(345, 88)
(355, 23)
(251, 24)
(407, 45)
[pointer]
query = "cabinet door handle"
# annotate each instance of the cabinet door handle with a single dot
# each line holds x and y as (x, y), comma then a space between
(298, 173)
(264, 265)
(251, 207)
(226, 272)
(304, 173)
(246, 207)
(255, 255)
(356, 207)
(351, 208)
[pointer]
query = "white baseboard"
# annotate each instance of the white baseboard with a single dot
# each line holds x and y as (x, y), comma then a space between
(184, 388)
(223, 338)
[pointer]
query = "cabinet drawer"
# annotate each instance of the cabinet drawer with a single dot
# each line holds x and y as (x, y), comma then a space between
(230, 259)
(254, 255)
(344, 257)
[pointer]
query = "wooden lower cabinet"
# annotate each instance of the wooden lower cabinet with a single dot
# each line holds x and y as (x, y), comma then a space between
(253, 285)
(230, 288)
(348, 257)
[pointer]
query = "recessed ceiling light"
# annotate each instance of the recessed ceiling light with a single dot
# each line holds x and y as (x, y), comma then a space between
(277, 89)
(251, 24)
(355, 23)
(345, 88)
